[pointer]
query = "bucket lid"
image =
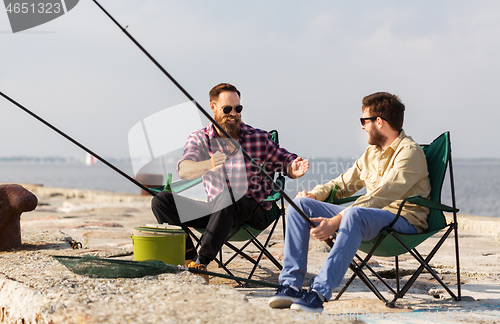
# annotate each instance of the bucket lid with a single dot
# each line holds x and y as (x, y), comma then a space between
(160, 228)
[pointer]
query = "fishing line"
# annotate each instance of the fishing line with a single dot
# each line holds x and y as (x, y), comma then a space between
(78, 144)
(219, 127)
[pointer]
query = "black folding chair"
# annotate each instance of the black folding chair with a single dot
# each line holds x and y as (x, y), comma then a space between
(244, 232)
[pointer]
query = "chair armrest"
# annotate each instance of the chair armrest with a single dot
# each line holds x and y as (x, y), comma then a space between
(179, 186)
(274, 196)
(332, 197)
(419, 200)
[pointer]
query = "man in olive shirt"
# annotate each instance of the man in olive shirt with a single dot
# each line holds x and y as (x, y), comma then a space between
(392, 168)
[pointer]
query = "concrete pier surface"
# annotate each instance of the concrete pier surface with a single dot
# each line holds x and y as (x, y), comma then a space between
(35, 288)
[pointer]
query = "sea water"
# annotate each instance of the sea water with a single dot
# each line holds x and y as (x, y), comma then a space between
(477, 182)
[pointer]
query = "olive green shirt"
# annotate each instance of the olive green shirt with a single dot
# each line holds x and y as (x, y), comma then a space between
(389, 176)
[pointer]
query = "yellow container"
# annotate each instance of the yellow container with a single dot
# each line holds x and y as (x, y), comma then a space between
(166, 245)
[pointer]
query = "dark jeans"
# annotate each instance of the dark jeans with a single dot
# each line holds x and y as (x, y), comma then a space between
(218, 224)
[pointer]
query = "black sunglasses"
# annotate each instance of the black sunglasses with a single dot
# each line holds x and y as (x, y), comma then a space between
(228, 109)
(363, 120)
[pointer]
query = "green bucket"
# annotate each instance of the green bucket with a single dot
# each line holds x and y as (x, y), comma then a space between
(166, 245)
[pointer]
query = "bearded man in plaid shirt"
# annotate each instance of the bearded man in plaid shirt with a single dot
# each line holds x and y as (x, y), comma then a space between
(209, 155)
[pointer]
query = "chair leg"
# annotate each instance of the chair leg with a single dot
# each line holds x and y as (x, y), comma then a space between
(435, 275)
(459, 284)
(361, 275)
(424, 264)
(345, 286)
(283, 219)
(263, 250)
(236, 252)
(240, 252)
(357, 269)
(255, 266)
(455, 222)
(198, 240)
(365, 264)
(228, 271)
(219, 263)
(360, 267)
(397, 273)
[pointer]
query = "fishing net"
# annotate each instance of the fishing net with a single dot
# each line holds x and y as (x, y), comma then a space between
(106, 268)
(95, 267)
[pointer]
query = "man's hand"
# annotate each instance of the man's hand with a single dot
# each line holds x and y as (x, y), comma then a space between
(217, 160)
(298, 168)
(326, 227)
(305, 194)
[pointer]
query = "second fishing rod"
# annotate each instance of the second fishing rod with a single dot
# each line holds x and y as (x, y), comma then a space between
(219, 127)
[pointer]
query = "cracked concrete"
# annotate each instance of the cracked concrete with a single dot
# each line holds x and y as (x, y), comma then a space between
(35, 288)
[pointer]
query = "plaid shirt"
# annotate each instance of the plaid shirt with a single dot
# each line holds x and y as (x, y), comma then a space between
(243, 177)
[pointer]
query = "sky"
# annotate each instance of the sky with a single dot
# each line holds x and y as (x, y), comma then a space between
(302, 67)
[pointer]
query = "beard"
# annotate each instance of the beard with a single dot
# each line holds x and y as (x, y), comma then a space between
(376, 138)
(233, 129)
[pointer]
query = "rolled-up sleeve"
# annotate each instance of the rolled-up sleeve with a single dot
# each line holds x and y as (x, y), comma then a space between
(348, 183)
(278, 158)
(195, 148)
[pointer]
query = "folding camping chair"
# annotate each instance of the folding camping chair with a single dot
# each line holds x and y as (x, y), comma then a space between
(390, 243)
(245, 233)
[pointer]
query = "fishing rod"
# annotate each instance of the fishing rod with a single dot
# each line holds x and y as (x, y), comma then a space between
(328, 241)
(78, 144)
(219, 127)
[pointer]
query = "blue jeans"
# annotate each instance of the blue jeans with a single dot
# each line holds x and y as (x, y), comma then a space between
(358, 224)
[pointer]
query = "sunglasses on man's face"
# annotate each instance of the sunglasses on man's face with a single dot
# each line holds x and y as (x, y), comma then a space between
(228, 109)
(363, 120)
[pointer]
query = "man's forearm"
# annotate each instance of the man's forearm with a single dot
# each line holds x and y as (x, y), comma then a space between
(189, 170)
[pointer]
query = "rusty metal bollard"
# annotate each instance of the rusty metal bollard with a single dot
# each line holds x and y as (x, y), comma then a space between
(14, 200)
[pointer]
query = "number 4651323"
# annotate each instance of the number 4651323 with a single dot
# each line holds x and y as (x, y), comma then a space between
(32, 8)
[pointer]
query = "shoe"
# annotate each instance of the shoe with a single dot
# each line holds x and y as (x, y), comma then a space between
(310, 302)
(200, 267)
(284, 297)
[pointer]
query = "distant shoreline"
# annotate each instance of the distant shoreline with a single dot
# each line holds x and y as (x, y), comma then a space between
(476, 185)
(476, 223)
